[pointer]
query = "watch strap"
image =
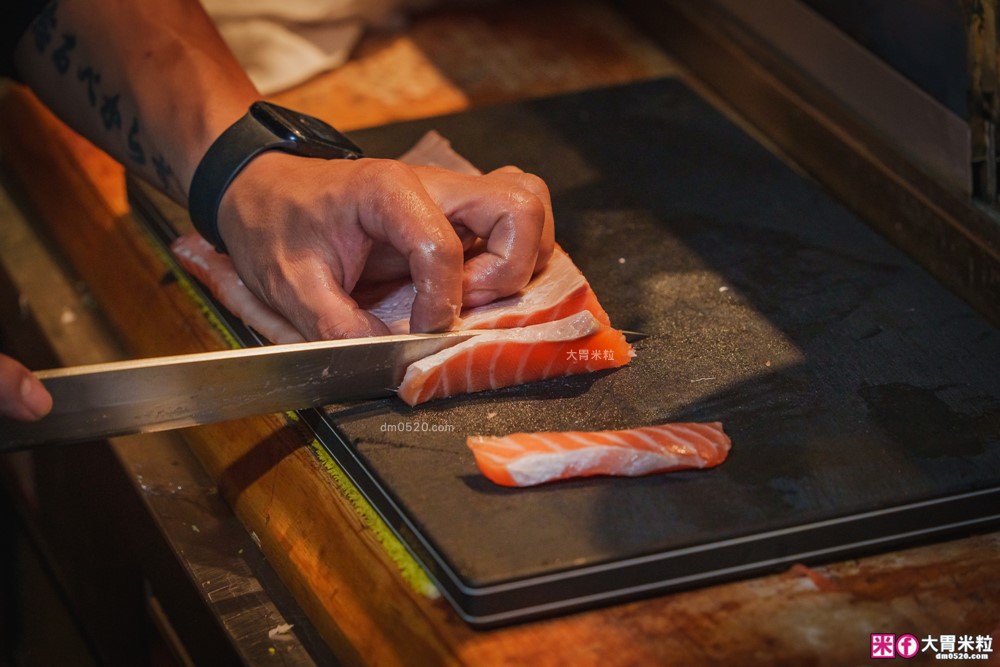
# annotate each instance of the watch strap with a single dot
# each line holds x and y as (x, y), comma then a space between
(225, 159)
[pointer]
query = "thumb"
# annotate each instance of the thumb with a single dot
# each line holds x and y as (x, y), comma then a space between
(22, 395)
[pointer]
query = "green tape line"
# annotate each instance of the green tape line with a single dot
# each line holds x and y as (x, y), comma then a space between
(409, 568)
(188, 287)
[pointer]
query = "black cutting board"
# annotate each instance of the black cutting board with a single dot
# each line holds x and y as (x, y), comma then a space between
(862, 398)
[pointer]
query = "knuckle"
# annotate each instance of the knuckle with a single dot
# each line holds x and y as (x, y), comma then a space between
(508, 169)
(533, 183)
(525, 204)
(445, 248)
(386, 173)
(393, 190)
(523, 179)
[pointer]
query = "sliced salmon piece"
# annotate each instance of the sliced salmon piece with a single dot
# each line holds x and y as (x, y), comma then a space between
(579, 343)
(526, 459)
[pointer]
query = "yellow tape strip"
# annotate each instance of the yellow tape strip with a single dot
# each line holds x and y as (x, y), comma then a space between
(187, 286)
(409, 568)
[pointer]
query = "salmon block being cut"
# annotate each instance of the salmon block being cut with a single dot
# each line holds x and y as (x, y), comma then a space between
(552, 327)
(579, 343)
(555, 292)
(526, 459)
(558, 290)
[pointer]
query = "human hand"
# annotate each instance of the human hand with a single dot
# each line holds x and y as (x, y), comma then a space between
(302, 233)
(22, 395)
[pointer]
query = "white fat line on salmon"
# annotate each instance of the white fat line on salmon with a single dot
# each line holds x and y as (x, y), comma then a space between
(492, 365)
(523, 364)
(444, 382)
(496, 458)
(546, 371)
(714, 444)
(613, 439)
(644, 437)
(545, 442)
(498, 443)
(468, 367)
(585, 441)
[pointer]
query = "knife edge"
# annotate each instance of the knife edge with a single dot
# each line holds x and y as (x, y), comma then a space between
(144, 395)
(251, 352)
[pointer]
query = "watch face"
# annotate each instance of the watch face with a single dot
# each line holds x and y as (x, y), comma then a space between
(310, 136)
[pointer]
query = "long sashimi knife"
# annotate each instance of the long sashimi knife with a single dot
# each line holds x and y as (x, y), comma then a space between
(142, 396)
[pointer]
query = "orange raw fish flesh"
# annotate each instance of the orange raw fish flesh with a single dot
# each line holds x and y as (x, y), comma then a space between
(526, 459)
(579, 343)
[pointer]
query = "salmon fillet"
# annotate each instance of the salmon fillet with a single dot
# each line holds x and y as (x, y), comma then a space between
(433, 150)
(527, 459)
(579, 343)
(555, 292)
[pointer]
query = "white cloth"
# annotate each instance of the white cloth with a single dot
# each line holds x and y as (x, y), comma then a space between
(282, 43)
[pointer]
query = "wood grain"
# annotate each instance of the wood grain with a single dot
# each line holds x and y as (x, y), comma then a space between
(326, 554)
(449, 60)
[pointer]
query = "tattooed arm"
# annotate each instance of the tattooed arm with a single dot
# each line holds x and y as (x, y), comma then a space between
(153, 84)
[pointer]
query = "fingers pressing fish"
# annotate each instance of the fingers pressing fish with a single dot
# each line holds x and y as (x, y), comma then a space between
(554, 327)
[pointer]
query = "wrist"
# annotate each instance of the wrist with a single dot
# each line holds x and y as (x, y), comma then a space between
(264, 128)
(211, 125)
(253, 194)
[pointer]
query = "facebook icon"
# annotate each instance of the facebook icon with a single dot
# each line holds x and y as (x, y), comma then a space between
(907, 646)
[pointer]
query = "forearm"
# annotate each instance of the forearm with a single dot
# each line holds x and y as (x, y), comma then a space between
(151, 83)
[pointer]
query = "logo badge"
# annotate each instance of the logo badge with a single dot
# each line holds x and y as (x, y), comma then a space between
(907, 646)
(883, 646)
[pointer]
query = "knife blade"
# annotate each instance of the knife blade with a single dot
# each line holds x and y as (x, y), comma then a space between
(162, 393)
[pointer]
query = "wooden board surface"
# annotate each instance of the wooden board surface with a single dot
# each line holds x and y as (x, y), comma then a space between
(327, 554)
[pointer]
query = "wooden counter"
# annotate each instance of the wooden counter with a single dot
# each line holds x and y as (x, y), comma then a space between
(331, 557)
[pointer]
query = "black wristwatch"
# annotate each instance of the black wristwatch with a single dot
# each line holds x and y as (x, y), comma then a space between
(265, 127)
